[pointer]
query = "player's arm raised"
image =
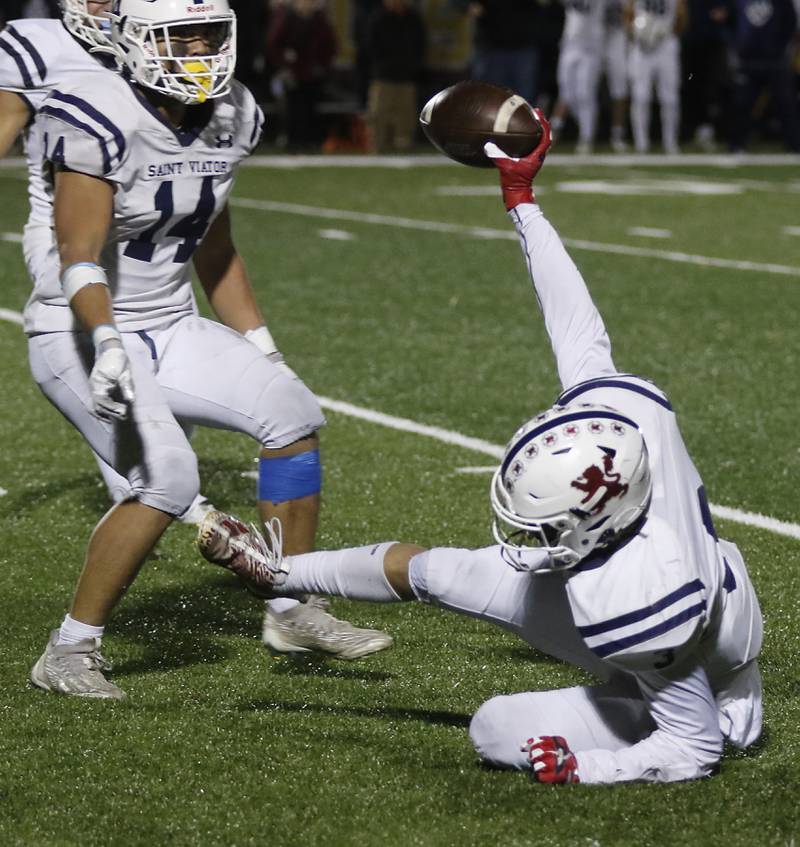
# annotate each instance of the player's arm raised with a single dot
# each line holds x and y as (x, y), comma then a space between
(82, 215)
(577, 333)
(223, 275)
(14, 117)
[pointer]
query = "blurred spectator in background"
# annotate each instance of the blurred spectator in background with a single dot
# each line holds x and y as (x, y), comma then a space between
(705, 68)
(549, 26)
(301, 45)
(396, 47)
(764, 40)
(579, 69)
(504, 51)
(251, 67)
(615, 68)
(655, 60)
(362, 12)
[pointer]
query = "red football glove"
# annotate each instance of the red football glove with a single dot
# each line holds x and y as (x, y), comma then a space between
(551, 760)
(516, 175)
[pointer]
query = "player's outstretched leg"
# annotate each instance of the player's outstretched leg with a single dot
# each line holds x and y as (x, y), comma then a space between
(302, 627)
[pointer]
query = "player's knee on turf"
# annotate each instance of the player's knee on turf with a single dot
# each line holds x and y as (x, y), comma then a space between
(171, 481)
(495, 735)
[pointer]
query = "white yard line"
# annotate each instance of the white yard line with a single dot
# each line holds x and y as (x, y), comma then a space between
(496, 451)
(13, 237)
(507, 235)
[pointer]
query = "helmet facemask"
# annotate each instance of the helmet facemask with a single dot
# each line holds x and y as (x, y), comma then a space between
(572, 481)
(156, 54)
(93, 30)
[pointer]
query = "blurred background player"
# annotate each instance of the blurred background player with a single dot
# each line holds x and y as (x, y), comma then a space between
(139, 177)
(705, 70)
(615, 68)
(765, 42)
(396, 49)
(655, 61)
(579, 64)
(36, 56)
(606, 558)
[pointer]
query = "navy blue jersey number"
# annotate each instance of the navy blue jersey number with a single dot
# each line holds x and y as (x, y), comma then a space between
(190, 228)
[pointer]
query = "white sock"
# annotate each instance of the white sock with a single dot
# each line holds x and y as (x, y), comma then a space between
(73, 631)
(282, 604)
(356, 573)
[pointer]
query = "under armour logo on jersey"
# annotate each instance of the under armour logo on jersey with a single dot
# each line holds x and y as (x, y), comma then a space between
(594, 480)
(225, 140)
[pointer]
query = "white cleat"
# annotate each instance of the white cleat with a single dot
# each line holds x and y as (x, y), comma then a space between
(75, 669)
(307, 628)
(226, 541)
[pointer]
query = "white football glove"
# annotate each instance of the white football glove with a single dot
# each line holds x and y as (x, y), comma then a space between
(111, 376)
(262, 338)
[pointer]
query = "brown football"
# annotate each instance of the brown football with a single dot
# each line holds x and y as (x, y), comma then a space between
(459, 120)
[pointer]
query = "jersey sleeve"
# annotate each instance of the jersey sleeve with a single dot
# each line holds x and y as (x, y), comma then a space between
(577, 333)
(22, 66)
(80, 136)
(686, 742)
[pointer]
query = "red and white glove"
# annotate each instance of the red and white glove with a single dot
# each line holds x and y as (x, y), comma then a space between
(516, 175)
(551, 760)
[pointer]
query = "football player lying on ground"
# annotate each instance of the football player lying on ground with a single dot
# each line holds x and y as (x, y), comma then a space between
(139, 169)
(629, 580)
(38, 55)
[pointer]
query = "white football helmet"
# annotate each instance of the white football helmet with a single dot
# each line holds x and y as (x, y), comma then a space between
(93, 30)
(572, 480)
(148, 34)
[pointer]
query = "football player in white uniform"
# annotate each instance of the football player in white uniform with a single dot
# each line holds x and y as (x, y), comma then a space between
(579, 63)
(655, 60)
(36, 57)
(615, 67)
(139, 170)
(629, 579)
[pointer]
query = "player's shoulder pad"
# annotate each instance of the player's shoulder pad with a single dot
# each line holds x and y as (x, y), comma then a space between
(643, 606)
(87, 124)
(28, 48)
(631, 383)
(238, 115)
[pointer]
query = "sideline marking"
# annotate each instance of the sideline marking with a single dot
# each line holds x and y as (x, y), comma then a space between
(507, 235)
(447, 436)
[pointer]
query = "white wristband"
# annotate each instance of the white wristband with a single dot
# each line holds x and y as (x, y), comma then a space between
(80, 275)
(262, 339)
(105, 332)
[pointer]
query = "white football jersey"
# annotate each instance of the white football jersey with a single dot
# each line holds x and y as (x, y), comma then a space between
(37, 56)
(663, 600)
(583, 23)
(653, 22)
(169, 186)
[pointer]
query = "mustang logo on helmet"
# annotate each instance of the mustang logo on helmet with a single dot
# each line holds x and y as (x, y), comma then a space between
(593, 479)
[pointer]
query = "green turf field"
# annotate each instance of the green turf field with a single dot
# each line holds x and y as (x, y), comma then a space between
(219, 744)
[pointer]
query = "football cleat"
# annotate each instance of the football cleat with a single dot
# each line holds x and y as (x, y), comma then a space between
(75, 669)
(226, 541)
(200, 507)
(307, 628)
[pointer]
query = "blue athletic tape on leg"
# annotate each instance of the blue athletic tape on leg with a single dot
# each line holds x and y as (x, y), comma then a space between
(289, 477)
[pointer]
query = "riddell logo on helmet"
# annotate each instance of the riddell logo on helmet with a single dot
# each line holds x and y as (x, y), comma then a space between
(594, 479)
(200, 7)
